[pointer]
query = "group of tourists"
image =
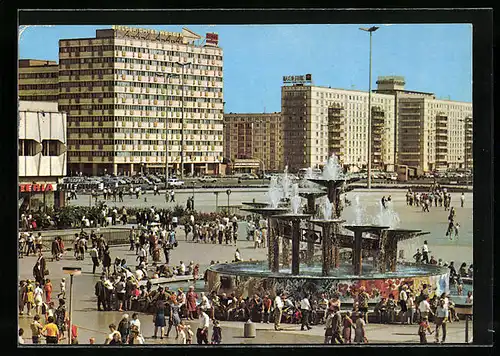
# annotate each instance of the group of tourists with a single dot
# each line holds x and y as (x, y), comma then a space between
(221, 230)
(257, 230)
(36, 297)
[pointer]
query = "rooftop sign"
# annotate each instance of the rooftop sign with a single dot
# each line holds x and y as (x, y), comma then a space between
(297, 79)
(145, 33)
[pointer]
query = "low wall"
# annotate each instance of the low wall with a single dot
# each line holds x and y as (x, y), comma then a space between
(346, 288)
(115, 236)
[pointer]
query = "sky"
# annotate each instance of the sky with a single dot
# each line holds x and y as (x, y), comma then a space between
(433, 58)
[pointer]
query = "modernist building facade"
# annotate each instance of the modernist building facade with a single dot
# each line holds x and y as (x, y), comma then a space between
(431, 134)
(38, 80)
(42, 154)
(319, 121)
(254, 142)
(407, 127)
(129, 92)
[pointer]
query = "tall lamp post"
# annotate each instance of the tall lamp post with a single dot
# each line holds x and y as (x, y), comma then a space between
(165, 78)
(369, 163)
(216, 201)
(466, 121)
(72, 271)
(228, 192)
(182, 116)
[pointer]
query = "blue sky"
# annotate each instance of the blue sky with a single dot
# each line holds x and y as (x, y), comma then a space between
(432, 57)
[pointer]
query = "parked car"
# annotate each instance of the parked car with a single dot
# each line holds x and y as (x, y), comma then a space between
(174, 182)
(207, 179)
(248, 176)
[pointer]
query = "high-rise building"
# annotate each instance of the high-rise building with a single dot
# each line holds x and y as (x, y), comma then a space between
(38, 80)
(256, 136)
(319, 121)
(431, 134)
(42, 154)
(125, 88)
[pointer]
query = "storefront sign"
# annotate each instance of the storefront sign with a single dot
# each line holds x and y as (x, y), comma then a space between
(212, 38)
(297, 79)
(36, 188)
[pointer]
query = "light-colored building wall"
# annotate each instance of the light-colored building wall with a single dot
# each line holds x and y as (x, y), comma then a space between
(42, 140)
(38, 80)
(120, 92)
(42, 153)
(307, 142)
(255, 136)
(433, 133)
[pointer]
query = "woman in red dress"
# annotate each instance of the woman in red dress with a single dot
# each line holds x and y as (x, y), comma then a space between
(347, 328)
(191, 298)
(196, 272)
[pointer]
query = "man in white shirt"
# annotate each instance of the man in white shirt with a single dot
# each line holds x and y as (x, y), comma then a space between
(202, 332)
(135, 322)
(305, 309)
(141, 255)
(425, 308)
(237, 256)
(425, 252)
(94, 254)
(182, 269)
(38, 242)
(139, 274)
(278, 309)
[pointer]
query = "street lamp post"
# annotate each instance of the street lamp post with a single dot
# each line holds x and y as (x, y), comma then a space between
(192, 207)
(466, 157)
(165, 77)
(369, 163)
(182, 116)
(228, 192)
(72, 271)
(216, 201)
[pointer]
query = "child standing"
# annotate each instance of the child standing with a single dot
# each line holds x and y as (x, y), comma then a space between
(189, 335)
(48, 290)
(216, 333)
(62, 285)
(423, 328)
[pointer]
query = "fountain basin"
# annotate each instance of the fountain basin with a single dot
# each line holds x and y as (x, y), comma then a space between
(253, 277)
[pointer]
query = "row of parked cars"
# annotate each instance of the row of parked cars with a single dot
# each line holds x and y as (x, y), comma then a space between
(146, 182)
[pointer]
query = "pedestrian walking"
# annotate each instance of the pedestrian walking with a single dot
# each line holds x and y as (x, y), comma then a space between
(337, 326)
(202, 332)
(441, 319)
(360, 331)
(36, 329)
(278, 309)
(305, 308)
(100, 293)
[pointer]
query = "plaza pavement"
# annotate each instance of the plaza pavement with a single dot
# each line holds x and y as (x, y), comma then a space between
(95, 324)
(435, 222)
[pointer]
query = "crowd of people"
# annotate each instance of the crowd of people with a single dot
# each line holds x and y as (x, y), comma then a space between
(440, 197)
(455, 278)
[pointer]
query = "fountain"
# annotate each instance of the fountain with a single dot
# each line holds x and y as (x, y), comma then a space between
(375, 238)
(295, 217)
